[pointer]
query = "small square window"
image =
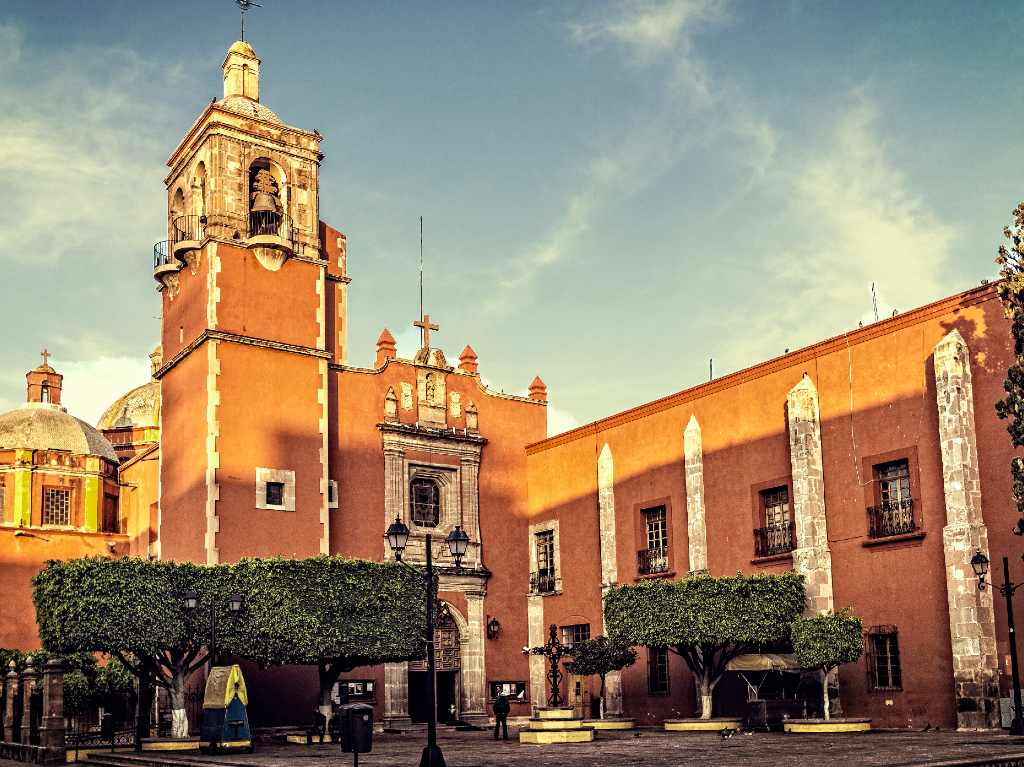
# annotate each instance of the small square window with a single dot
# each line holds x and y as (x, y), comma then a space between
(275, 494)
(578, 632)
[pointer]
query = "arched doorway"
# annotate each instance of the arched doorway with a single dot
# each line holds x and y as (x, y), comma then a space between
(448, 663)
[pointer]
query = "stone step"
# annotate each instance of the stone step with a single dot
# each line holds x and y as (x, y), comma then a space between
(555, 724)
(550, 737)
(556, 713)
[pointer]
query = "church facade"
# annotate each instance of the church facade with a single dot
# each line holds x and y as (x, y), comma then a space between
(873, 463)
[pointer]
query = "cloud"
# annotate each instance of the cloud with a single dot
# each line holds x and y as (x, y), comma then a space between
(560, 421)
(853, 219)
(79, 139)
(91, 386)
(648, 28)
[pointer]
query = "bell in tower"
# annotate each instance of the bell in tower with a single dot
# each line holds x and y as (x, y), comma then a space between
(265, 214)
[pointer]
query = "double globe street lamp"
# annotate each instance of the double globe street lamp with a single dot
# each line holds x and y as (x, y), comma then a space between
(980, 565)
(397, 537)
(191, 603)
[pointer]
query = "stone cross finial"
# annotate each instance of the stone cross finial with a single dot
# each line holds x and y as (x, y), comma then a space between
(425, 326)
(46, 357)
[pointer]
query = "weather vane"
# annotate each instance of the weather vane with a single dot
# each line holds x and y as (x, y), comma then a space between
(245, 5)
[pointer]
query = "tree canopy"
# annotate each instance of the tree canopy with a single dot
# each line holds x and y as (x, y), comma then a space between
(1011, 293)
(323, 610)
(825, 642)
(600, 656)
(707, 621)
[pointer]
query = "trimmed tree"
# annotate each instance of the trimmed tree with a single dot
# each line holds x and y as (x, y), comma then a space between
(131, 609)
(825, 642)
(1011, 293)
(600, 656)
(706, 621)
(330, 612)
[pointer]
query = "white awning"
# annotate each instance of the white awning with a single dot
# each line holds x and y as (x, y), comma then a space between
(763, 662)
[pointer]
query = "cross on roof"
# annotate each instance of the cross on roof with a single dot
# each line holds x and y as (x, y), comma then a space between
(425, 326)
(46, 357)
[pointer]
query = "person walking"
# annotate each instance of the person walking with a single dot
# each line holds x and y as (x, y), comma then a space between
(501, 709)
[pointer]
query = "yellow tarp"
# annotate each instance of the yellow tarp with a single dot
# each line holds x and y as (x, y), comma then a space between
(763, 662)
(221, 686)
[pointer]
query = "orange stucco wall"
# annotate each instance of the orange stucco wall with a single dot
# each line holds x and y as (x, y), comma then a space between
(877, 400)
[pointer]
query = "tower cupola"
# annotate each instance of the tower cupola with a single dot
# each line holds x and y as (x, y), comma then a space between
(242, 72)
(43, 383)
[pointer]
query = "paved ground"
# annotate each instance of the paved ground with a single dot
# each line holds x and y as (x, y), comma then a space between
(652, 749)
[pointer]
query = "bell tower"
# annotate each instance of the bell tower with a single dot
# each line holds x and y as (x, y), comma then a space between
(243, 279)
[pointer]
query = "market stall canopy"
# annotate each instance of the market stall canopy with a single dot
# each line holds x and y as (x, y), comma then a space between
(763, 662)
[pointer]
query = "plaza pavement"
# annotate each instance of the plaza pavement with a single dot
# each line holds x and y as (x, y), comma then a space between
(652, 748)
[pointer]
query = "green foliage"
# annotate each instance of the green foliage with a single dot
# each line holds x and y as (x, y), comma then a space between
(706, 621)
(309, 610)
(78, 692)
(1011, 293)
(737, 610)
(827, 641)
(600, 656)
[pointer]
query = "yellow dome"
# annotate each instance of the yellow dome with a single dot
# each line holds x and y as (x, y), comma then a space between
(138, 409)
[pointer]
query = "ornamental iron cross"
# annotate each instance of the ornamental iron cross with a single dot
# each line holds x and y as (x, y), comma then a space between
(425, 326)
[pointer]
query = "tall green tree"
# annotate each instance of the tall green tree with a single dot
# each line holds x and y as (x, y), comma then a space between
(825, 642)
(1011, 293)
(706, 621)
(333, 613)
(600, 656)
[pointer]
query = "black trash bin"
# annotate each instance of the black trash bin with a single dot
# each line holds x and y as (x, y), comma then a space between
(356, 728)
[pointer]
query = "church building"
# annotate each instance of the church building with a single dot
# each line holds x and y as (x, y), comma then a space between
(873, 463)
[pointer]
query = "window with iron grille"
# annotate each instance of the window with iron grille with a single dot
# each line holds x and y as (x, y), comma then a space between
(111, 519)
(275, 494)
(56, 506)
(425, 497)
(883, 655)
(575, 633)
(656, 523)
(657, 670)
(775, 506)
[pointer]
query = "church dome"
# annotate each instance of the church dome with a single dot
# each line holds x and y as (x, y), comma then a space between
(138, 409)
(46, 426)
(245, 106)
(240, 46)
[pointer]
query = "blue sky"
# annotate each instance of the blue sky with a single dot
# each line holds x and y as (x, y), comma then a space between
(613, 193)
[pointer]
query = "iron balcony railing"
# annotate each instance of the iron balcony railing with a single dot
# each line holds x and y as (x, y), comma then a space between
(161, 255)
(774, 539)
(188, 228)
(269, 222)
(542, 583)
(651, 561)
(891, 518)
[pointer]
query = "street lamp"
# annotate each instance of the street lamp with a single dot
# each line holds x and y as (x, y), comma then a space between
(190, 601)
(397, 536)
(980, 564)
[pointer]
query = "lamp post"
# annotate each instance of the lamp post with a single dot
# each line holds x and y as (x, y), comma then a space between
(980, 564)
(191, 602)
(397, 537)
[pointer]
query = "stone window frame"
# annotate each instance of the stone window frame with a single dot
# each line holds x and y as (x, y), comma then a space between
(332, 494)
(285, 477)
(550, 525)
(448, 481)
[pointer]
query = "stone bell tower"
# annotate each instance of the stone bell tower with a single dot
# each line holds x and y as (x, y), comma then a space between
(243, 279)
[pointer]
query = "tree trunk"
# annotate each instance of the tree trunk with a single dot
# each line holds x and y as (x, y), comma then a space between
(601, 700)
(825, 712)
(706, 688)
(179, 719)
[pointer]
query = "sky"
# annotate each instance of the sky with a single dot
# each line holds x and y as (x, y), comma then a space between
(612, 193)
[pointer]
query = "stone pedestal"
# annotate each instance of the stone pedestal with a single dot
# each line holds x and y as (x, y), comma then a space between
(12, 684)
(51, 728)
(556, 725)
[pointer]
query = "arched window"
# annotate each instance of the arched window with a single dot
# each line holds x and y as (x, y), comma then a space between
(44, 392)
(425, 502)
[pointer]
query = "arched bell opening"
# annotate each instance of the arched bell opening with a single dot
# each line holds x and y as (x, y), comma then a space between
(185, 229)
(269, 223)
